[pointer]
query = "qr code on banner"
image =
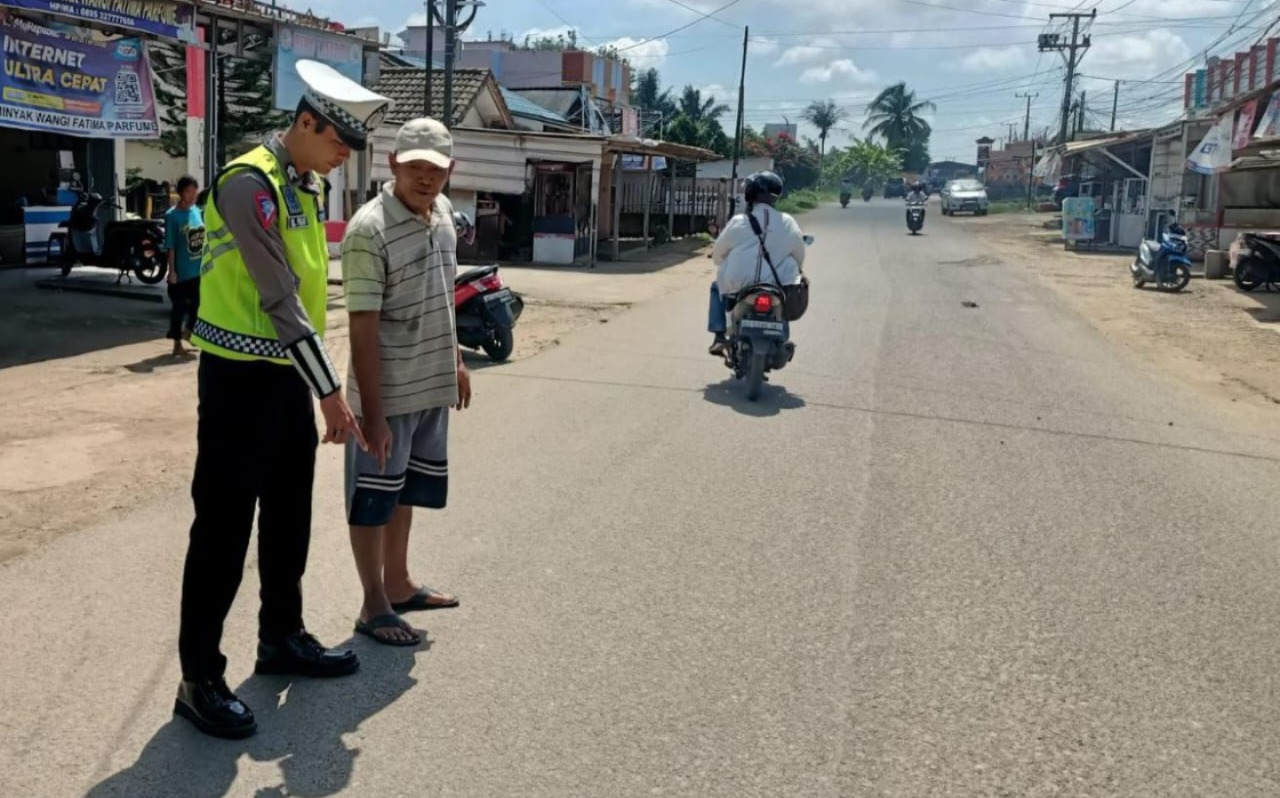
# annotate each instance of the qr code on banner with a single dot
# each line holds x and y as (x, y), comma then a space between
(128, 88)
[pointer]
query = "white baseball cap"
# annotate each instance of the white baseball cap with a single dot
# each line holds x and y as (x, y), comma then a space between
(425, 139)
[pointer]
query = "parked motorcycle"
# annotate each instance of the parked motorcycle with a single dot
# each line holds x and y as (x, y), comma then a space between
(1163, 262)
(915, 217)
(132, 246)
(867, 191)
(1257, 261)
(758, 334)
(486, 311)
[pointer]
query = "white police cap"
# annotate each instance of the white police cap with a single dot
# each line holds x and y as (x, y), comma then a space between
(354, 110)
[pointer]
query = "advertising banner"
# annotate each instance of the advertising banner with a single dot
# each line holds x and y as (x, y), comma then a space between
(1244, 124)
(343, 53)
(1078, 219)
(169, 18)
(1214, 153)
(74, 86)
(1269, 125)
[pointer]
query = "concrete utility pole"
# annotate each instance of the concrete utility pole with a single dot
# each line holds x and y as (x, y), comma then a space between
(740, 126)
(452, 27)
(1115, 104)
(1026, 124)
(1074, 51)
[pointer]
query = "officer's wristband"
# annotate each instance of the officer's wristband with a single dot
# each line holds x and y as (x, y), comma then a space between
(309, 357)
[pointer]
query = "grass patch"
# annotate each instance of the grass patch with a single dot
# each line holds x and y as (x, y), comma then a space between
(797, 202)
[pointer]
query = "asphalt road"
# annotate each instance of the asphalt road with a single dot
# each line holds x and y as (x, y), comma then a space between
(962, 547)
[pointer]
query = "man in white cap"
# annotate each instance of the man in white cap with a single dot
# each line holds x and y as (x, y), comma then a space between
(265, 275)
(399, 261)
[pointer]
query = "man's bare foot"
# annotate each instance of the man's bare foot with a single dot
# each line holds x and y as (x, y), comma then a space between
(408, 597)
(383, 625)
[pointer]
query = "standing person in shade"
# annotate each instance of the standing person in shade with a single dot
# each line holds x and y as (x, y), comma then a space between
(264, 294)
(399, 261)
(184, 241)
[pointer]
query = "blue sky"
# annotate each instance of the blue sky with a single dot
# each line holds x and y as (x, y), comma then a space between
(970, 56)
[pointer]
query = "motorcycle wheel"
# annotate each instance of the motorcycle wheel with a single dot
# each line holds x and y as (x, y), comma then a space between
(152, 271)
(755, 376)
(1242, 282)
(1136, 274)
(1179, 282)
(499, 348)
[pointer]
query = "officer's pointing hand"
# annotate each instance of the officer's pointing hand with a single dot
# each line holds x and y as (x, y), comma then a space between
(339, 421)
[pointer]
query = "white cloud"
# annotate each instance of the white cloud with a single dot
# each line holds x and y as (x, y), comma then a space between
(1137, 56)
(815, 51)
(643, 56)
(840, 69)
(993, 59)
(763, 46)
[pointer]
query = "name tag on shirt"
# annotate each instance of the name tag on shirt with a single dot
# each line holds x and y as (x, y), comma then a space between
(293, 206)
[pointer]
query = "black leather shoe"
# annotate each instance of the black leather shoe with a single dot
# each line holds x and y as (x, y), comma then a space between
(302, 655)
(214, 709)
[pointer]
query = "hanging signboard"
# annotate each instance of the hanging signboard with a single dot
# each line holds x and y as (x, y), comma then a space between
(1244, 125)
(1269, 126)
(1214, 153)
(1200, 90)
(167, 18)
(75, 86)
(1078, 219)
(343, 53)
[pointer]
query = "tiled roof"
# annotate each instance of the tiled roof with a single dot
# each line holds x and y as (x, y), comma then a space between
(406, 86)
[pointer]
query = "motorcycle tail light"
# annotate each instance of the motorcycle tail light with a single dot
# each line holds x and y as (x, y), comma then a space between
(764, 303)
(491, 282)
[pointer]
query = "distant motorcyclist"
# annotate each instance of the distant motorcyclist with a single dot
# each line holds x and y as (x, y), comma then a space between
(737, 252)
(846, 190)
(918, 193)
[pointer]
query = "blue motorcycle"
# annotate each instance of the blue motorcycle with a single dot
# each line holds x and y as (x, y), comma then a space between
(1163, 262)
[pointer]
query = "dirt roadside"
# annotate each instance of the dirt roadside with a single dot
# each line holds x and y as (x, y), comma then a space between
(1213, 336)
(98, 417)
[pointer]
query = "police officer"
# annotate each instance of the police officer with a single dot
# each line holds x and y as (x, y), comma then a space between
(260, 329)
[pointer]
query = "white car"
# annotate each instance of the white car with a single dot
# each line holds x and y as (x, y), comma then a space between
(964, 196)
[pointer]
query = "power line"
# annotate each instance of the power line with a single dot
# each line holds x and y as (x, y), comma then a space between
(704, 14)
(686, 26)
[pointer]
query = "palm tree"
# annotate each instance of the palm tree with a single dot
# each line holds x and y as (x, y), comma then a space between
(824, 115)
(693, 106)
(897, 116)
(649, 95)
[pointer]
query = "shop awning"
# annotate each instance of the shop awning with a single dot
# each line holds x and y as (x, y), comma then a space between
(1077, 147)
(630, 145)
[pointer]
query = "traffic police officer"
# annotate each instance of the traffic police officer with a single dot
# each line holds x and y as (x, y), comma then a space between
(260, 329)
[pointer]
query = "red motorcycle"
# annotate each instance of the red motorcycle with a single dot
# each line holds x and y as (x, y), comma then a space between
(486, 311)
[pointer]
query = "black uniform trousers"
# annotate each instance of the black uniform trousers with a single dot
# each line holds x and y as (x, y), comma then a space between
(256, 444)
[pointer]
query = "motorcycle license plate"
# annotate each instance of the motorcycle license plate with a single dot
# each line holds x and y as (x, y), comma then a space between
(503, 296)
(770, 328)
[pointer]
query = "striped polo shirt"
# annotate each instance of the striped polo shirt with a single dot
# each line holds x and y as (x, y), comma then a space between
(402, 266)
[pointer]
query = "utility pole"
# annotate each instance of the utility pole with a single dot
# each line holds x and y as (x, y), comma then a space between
(1080, 114)
(1026, 124)
(740, 126)
(431, 55)
(1115, 103)
(1074, 52)
(452, 27)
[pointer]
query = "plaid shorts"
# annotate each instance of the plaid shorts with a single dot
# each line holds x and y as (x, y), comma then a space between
(417, 473)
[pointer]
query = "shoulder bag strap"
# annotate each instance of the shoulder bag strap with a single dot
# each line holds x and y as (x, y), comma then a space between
(764, 251)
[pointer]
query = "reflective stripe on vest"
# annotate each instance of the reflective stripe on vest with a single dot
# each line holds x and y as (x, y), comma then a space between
(231, 321)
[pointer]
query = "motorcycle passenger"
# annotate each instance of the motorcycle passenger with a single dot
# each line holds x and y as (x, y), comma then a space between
(737, 252)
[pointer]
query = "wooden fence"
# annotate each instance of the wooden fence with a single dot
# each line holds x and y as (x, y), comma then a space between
(690, 205)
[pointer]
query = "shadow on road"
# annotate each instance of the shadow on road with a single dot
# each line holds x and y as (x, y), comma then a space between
(773, 399)
(300, 725)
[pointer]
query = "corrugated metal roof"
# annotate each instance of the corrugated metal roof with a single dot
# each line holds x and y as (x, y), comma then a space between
(519, 106)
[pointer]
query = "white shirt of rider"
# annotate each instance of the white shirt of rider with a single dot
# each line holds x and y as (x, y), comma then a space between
(737, 250)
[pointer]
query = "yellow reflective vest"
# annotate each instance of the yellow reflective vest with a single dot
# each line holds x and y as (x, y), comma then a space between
(231, 321)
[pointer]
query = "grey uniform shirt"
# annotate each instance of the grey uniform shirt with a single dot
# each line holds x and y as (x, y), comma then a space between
(268, 266)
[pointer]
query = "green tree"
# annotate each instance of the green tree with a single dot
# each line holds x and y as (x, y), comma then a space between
(246, 109)
(824, 115)
(869, 162)
(697, 108)
(169, 69)
(898, 117)
(796, 165)
(648, 94)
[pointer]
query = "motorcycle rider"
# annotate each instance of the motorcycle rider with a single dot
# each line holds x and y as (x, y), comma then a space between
(737, 252)
(918, 194)
(846, 189)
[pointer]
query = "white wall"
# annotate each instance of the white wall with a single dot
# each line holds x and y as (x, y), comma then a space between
(154, 162)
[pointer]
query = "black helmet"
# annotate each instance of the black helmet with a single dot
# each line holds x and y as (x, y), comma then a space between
(919, 186)
(761, 185)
